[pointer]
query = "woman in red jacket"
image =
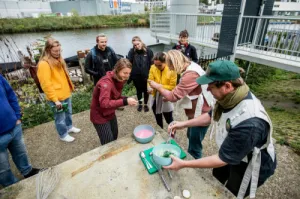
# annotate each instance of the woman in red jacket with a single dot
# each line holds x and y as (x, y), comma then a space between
(107, 98)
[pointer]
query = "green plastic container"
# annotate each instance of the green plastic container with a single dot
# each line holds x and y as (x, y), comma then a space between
(159, 150)
(63, 109)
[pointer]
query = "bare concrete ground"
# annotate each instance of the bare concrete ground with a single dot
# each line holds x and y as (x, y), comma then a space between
(46, 150)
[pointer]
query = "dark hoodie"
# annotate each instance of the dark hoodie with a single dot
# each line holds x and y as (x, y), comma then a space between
(188, 50)
(106, 99)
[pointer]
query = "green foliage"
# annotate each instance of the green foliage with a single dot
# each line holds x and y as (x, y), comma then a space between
(204, 1)
(81, 101)
(277, 109)
(258, 73)
(286, 124)
(129, 90)
(45, 23)
(36, 114)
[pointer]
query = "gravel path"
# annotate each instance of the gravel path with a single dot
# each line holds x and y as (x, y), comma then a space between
(46, 150)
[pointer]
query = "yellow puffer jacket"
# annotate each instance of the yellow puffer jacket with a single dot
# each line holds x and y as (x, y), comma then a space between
(55, 81)
(167, 78)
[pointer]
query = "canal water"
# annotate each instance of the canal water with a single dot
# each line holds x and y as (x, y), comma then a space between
(73, 40)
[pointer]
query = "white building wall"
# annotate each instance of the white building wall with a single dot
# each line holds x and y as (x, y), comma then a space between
(286, 8)
(19, 9)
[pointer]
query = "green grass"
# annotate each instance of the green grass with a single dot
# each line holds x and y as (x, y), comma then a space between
(279, 91)
(286, 124)
(74, 22)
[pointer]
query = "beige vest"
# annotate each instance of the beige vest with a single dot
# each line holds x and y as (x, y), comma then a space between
(245, 110)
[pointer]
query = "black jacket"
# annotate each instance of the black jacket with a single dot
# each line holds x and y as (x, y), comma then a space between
(98, 62)
(189, 51)
(141, 63)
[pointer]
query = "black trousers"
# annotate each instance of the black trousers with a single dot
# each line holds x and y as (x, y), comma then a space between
(96, 78)
(108, 131)
(233, 175)
(159, 117)
(140, 85)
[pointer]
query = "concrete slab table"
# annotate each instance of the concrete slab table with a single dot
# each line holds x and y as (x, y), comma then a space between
(116, 171)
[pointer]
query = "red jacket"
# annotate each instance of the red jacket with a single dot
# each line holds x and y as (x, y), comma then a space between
(106, 99)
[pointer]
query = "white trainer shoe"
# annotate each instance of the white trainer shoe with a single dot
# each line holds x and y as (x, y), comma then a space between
(74, 130)
(68, 138)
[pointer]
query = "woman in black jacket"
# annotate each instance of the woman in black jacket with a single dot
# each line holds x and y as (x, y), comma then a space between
(185, 47)
(141, 58)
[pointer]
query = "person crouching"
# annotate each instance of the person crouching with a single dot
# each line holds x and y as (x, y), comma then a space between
(107, 98)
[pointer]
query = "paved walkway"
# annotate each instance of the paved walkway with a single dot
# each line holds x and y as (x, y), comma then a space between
(46, 150)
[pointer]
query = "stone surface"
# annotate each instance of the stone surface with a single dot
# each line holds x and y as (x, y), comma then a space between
(115, 171)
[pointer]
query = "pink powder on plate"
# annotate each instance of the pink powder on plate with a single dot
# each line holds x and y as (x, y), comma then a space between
(144, 133)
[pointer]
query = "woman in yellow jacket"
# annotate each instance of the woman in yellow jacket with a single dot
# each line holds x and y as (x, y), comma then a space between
(57, 86)
(160, 73)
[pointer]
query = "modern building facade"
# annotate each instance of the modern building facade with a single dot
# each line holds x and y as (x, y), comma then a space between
(97, 7)
(21, 9)
(33, 8)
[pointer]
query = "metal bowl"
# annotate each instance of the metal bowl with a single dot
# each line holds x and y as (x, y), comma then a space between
(140, 128)
(159, 150)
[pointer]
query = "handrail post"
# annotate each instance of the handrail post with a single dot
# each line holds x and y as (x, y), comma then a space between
(262, 7)
(238, 28)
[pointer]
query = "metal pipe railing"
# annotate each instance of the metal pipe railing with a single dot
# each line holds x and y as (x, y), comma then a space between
(277, 36)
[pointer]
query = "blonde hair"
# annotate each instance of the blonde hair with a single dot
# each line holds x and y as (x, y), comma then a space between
(137, 38)
(176, 59)
(46, 55)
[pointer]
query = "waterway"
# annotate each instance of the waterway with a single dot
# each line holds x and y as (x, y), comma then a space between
(73, 40)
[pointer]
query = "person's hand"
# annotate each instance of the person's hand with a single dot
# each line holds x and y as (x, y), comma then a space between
(154, 85)
(18, 122)
(149, 90)
(131, 101)
(177, 164)
(58, 105)
(175, 126)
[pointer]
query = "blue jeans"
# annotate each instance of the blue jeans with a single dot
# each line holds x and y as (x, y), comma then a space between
(196, 135)
(63, 120)
(14, 142)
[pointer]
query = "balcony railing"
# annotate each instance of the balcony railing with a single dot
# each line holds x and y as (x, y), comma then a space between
(274, 36)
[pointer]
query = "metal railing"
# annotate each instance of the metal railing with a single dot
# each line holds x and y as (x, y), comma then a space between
(205, 25)
(270, 35)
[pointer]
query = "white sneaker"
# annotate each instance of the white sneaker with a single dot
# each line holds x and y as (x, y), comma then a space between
(74, 130)
(68, 138)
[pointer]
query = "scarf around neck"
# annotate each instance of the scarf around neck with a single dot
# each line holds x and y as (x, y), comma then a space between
(230, 101)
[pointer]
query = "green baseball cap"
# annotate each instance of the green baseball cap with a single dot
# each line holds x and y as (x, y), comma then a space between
(221, 70)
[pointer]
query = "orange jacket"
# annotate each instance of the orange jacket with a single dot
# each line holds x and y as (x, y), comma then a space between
(55, 81)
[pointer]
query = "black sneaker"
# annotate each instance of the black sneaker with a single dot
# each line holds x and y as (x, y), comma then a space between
(146, 108)
(139, 109)
(32, 172)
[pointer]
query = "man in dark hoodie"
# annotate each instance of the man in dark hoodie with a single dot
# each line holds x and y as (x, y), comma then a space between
(11, 137)
(101, 59)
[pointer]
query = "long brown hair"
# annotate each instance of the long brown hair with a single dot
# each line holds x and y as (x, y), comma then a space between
(120, 65)
(137, 38)
(46, 55)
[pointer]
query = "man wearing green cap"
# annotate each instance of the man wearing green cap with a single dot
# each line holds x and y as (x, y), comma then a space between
(243, 133)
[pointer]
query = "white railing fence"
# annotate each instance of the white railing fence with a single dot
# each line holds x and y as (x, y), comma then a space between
(274, 36)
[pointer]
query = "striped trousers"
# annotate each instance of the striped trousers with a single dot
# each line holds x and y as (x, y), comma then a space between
(108, 131)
